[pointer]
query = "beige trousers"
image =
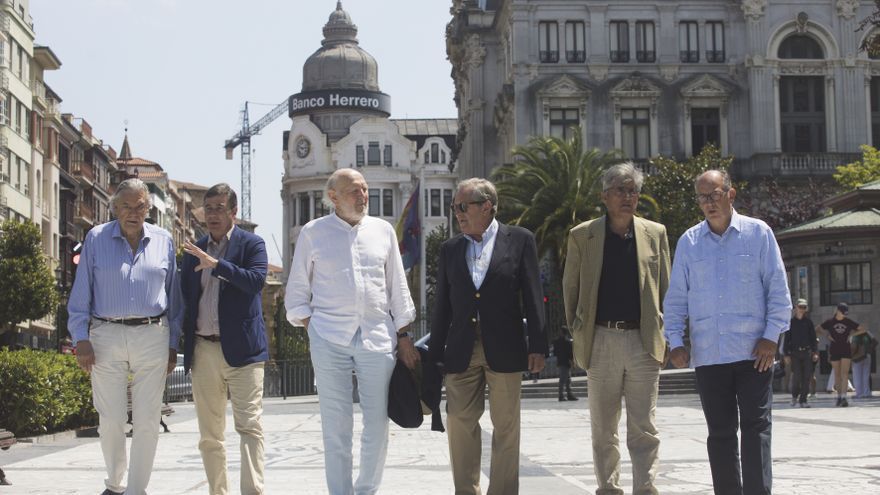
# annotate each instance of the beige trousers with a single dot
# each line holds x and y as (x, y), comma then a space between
(212, 378)
(465, 404)
(621, 369)
(141, 351)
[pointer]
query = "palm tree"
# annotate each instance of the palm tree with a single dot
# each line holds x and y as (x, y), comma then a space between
(552, 185)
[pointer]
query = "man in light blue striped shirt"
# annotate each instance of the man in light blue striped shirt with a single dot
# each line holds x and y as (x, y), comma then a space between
(728, 285)
(125, 319)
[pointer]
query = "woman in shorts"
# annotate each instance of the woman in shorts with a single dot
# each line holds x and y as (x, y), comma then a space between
(839, 328)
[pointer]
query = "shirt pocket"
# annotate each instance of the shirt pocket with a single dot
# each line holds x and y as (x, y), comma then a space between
(744, 268)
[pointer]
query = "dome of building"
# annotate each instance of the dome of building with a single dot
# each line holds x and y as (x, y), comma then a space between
(340, 63)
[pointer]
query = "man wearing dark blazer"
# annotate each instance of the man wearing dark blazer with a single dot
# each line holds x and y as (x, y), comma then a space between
(225, 338)
(487, 284)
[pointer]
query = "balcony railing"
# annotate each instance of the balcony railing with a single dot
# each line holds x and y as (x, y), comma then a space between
(575, 56)
(715, 56)
(549, 56)
(83, 170)
(689, 56)
(620, 56)
(646, 56)
(85, 212)
(52, 108)
(796, 164)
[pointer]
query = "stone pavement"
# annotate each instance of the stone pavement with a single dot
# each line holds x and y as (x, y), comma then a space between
(817, 450)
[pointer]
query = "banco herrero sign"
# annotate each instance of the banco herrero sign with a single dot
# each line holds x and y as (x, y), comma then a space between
(339, 99)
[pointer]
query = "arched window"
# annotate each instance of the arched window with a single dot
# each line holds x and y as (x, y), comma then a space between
(800, 46)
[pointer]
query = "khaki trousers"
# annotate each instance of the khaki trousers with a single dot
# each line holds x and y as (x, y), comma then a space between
(620, 368)
(141, 351)
(212, 377)
(465, 404)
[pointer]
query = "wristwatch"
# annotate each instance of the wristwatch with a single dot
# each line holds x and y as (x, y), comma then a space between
(404, 334)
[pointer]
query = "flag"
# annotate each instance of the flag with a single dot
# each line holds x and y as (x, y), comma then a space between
(409, 230)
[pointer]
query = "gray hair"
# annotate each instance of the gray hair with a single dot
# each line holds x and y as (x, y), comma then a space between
(224, 189)
(622, 173)
(481, 190)
(331, 183)
(726, 184)
(127, 185)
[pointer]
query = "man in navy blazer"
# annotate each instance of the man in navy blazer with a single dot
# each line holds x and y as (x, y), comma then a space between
(225, 342)
(488, 284)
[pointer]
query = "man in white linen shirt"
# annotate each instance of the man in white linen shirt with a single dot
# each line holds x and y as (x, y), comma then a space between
(348, 288)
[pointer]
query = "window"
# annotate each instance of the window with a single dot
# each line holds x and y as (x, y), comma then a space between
(845, 282)
(800, 46)
(619, 41)
(388, 202)
(435, 153)
(386, 156)
(19, 117)
(802, 114)
(635, 127)
(427, 157)
(320, 209)
(304, 212)
(715, 41)
(562, 120)
(437, 202)
(381, 202)
(645, 42)
(705, 128)
(875, 111)
(574, 42)
(4, 111)
(359, 155)
(373, 154)
(688, 43)
(548, 42)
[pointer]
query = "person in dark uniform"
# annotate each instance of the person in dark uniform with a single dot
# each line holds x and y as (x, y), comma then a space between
(801, 353)
(562, 350)
(839, 328)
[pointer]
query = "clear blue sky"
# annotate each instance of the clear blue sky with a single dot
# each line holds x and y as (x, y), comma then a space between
(180, 70)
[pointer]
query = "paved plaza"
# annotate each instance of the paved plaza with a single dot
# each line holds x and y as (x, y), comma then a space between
(818, 450)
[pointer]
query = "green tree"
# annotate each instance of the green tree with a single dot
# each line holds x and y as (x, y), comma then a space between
(871, 44)
(432, 254)
(672, 186)
(859, 173)
(552, 186)
(26, 281)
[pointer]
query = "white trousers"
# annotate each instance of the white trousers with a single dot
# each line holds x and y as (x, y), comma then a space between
(333, 367)
(120, 351)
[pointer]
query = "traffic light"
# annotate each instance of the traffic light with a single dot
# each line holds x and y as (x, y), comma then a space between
(75, 252)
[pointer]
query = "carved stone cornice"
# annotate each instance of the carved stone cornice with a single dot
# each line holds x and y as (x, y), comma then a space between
(847, 8)
(754, 9)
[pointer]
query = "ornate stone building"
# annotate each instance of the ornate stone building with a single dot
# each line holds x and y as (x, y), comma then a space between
(780, 85)
(340, 119)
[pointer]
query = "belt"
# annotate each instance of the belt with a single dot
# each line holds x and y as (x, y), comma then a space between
(804, 349)
(620, 324)
(210, 338)
(134, 322)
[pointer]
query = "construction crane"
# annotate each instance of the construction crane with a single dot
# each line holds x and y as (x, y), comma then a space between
(243, 138)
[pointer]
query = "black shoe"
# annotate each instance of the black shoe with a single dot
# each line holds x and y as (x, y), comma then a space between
(110, 492)
(5, 482)
(562, 399)
(844, 403)
(838, 402)
(572, 397)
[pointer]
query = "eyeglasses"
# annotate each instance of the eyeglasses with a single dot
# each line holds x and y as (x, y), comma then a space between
(623, 192)
(464, 205)
(712, 197)
(215, 210)
(141, 208)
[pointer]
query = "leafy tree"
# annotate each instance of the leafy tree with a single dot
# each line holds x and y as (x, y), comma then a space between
(871, 43)
(672, 187)
(859, 173)
(432, 254)
(26, 281)
(552, 186)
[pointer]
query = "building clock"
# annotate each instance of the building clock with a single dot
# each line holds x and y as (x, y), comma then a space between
(303, 147)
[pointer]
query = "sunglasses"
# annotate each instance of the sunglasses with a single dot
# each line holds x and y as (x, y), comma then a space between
(464, 205)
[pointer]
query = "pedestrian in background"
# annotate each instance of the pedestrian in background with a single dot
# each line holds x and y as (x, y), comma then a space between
(801, 352)
(839, 328)
(562, 351)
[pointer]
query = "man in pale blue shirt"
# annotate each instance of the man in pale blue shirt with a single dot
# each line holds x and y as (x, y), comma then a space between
(728, 285)
(125, 319)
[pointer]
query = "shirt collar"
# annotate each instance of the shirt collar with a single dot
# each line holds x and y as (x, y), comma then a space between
(736, 223)
(488, 234)
(228, 236)
(347, 225)
(117, 230)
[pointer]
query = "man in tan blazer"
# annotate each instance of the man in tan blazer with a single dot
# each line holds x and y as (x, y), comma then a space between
(616, 275)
